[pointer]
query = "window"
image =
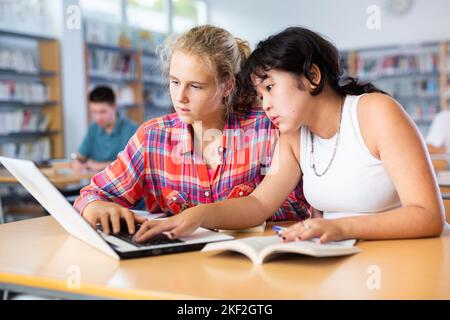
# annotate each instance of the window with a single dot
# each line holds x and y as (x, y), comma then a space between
(149, 15)
(41, 17)
(104, 10)
(187, 14)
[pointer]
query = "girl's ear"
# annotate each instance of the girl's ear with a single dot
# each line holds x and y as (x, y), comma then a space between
(316, 76)
(228, 88)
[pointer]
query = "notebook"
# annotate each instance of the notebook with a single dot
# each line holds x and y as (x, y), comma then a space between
(260, 249)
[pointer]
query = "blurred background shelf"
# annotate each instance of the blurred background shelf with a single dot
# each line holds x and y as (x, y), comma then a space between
(416, 75)
(30, 79)
(134, 75)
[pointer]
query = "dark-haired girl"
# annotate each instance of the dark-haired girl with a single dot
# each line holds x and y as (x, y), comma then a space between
(360, 157)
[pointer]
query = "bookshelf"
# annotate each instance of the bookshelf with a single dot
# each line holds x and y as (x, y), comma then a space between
(30, 97)
(135, 77)
(415, 75)
(445, 75)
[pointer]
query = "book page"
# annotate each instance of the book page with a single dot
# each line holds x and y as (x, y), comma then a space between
(260, 248)
(345, 243)
(259, 243)
(251, 247)
(312, 247)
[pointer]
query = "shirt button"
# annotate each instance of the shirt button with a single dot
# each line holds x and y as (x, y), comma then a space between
(206, 194)
(241, 193)
(220, 149)
(174, 198)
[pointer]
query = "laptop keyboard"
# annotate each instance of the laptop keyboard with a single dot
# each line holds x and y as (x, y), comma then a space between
(159, 239)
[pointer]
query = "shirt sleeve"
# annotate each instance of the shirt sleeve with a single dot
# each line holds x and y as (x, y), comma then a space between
(122, 181)
(436, 134)
(295, 207)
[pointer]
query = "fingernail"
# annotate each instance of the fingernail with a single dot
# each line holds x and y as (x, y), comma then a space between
(297, 239)
(170, 235)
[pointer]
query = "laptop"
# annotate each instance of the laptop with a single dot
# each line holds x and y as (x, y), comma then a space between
(120, 246)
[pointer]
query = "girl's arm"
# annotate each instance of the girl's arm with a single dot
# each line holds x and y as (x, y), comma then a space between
(284, 174)
(116, 189)
(392, 137)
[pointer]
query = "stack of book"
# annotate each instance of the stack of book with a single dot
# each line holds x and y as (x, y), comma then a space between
(401, 64)
(18, 59)
(113, 65)
(27, 92)
(22, 121)
(37, 150)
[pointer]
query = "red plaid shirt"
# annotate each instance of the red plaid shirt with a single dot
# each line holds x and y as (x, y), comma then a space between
(159, 165)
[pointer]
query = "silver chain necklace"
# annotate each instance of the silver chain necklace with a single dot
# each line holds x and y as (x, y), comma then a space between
(313, 165)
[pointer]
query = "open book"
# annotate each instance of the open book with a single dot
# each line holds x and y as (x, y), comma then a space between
(259, 249)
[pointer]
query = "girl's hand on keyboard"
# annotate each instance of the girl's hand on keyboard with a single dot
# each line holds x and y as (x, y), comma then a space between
(109, 214)
(174, 227)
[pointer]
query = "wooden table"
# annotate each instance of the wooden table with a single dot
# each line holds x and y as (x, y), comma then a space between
(37, 256)
(60, 174)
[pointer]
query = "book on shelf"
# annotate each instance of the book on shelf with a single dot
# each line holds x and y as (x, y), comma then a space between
(37, 150)
(262, 248)
(111, 64)
(370, 66)
(18, 59)
(412, 90)
(22, 121)
(27, 92)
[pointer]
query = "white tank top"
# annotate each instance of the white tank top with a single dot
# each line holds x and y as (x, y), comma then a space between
(356, 182)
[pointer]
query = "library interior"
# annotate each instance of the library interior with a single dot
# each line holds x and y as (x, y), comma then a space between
(98, 98)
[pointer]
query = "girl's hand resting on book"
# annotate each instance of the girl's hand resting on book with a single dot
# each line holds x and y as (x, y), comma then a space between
(179, 225)
(325, 229)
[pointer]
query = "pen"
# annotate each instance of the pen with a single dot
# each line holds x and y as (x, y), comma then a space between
(278, 229)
